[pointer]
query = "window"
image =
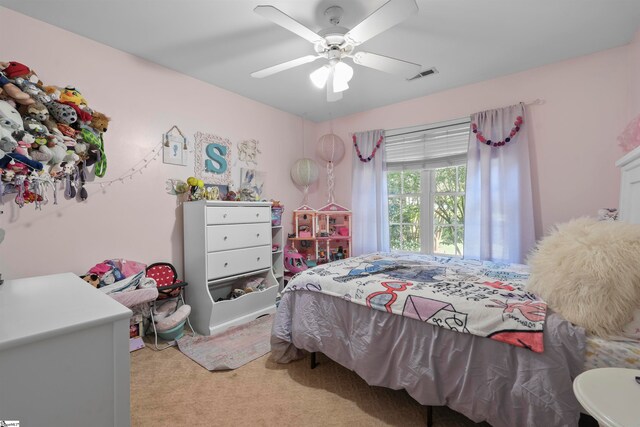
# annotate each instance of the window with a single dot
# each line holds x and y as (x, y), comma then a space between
(426, 180)
(404, 210)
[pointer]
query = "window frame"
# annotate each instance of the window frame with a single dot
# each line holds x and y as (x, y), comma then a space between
(427, 199)
(428, 178)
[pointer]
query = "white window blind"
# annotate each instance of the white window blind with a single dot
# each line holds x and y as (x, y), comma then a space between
(427, 147)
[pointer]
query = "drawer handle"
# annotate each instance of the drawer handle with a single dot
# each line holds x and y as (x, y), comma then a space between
(257, 234)
(224, 216)
(225, 238)
(258, 258)
(257, 215)
(226, 263)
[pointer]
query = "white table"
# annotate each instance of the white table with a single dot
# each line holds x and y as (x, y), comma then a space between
(64, 354)
(610, 395)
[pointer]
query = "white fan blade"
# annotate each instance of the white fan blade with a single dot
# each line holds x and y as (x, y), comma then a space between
(331, 95)
(389, 14)
(285, 21)
(387, 64)
(284, 66)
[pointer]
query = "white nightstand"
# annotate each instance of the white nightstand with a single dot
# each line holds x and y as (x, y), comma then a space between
(610, 395)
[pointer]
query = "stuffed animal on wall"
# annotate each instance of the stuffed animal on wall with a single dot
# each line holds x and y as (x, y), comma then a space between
(24, 140)
(73, 96)
(33, 90)
(62, 113)
(53, 91)
(14, 70)
(10, 122)
(9, 117)
(54, 132)
(38, 111)
(7, 142)
(7, 175)
(9, 160)
(13, 91)
(100, 122)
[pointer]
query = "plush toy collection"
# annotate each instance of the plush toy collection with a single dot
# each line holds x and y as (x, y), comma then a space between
(48, 135)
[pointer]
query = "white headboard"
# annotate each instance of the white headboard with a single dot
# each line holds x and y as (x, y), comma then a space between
(630, 186)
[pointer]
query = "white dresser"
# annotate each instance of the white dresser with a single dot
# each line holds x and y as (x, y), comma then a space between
(64, 354)
(225, 242)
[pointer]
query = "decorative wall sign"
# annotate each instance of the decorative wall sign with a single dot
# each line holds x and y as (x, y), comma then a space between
(174, 147)
(248, 151)
(212, 159)
(253, 180)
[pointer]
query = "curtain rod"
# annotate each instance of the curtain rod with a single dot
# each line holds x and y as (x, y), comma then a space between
(536, 101)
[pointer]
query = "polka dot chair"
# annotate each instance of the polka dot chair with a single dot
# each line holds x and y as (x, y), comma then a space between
(169, 288)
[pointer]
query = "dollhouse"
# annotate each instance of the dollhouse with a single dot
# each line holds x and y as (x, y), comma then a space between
(333, 233)
(322, 235)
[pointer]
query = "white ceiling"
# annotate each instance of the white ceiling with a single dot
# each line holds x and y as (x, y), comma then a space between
(222, 42)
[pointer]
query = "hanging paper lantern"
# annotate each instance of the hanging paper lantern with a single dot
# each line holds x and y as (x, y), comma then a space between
(330, 148)
(304, 172)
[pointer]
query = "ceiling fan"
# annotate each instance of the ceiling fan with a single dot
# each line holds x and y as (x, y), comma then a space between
(337, 43)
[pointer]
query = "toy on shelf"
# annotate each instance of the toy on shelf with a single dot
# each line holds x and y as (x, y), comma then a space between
(334, 231)
(196, 188)
(276, 213)
(322, 235)
(304, 221)
(293, 261)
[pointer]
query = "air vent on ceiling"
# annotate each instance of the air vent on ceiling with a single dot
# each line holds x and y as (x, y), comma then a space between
(423, 74)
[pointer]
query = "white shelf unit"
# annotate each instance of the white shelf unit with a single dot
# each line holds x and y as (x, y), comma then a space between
(277, 238)
(225, 242)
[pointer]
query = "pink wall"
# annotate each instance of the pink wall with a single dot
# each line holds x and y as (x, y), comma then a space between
(634, 77)
(136, 220)
(573, 133)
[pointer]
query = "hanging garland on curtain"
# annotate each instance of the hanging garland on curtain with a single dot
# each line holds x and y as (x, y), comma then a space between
(514, 131)
(373, 153)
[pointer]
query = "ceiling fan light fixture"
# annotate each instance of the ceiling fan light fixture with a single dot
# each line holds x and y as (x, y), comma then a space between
(342, 74)
(319, 77)
(343, 71)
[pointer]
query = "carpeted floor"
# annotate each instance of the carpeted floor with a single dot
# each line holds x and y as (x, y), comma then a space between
(169, 389)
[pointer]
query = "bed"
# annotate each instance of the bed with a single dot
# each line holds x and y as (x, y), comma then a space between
(437, 365)
(520, 377)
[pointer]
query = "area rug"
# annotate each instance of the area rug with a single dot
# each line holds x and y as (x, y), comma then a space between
(232, 348)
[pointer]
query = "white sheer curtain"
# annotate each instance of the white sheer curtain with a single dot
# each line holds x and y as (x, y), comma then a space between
(369, 196)
(499, 222)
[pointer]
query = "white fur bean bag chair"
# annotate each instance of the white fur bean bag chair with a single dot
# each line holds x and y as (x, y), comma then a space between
(589, 272)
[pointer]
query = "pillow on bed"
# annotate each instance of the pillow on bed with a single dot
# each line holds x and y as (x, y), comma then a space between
(589, 272)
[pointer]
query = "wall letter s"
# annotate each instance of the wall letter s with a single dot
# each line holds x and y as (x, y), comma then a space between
(216, 154)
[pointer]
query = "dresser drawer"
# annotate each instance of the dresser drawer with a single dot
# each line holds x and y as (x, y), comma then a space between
(228, 263)
(238, 215)
(225, 237)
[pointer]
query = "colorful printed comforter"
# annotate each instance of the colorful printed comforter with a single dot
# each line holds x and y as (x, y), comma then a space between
(482, 298)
